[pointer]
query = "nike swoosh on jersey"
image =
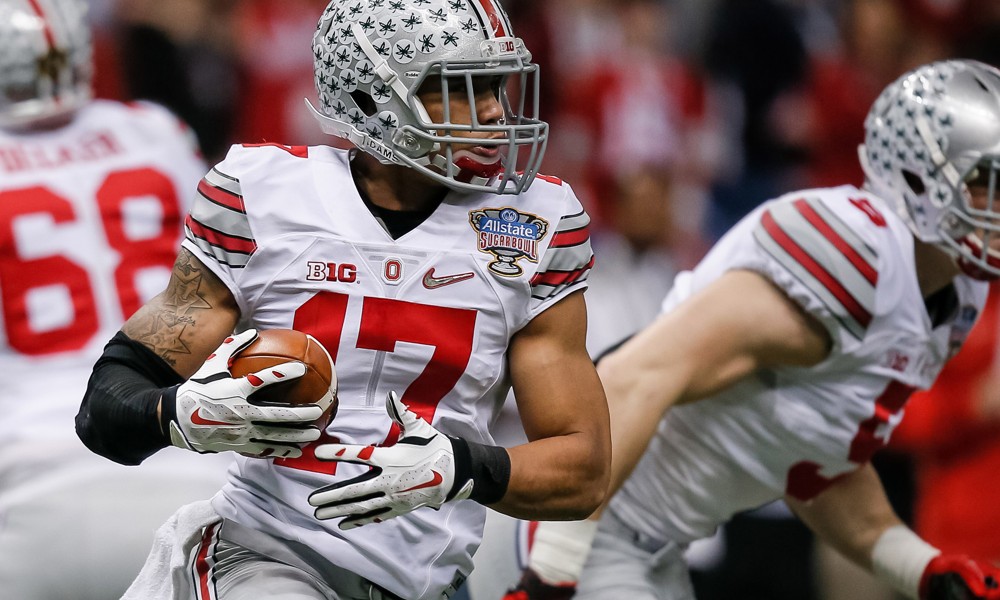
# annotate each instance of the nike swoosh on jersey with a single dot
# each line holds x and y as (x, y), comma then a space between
(197, 419)
(436, 479)
(431, 281)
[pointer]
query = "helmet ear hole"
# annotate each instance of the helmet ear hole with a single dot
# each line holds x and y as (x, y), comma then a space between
(365, 102)
(915, 183)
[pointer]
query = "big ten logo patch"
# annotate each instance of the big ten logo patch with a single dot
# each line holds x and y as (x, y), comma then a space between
(329, 271)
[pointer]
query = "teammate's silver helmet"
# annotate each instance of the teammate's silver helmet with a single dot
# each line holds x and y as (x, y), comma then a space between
(371, 58)
(45, 59)
(929, 134)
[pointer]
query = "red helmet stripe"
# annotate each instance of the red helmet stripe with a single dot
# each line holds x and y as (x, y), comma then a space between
(50, 37)
(495, 17)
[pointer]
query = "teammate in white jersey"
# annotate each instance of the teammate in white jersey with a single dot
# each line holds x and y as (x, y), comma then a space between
(435, 277)
(783, 361)
(92, 196)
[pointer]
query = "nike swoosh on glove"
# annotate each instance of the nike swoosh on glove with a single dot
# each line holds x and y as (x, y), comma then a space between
(418, 470)
(532, 587)
(214, 414)
(958, 577)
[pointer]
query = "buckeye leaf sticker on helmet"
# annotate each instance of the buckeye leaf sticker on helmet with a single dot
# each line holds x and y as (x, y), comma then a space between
(371, 60)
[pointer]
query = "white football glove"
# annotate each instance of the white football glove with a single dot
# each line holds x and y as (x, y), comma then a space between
(419, 470)
(214, 414)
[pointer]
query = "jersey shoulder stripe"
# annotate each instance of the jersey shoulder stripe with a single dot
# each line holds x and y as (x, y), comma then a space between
(553, 277)
(223, 191)
(568, 236)
(825, 255)
(218, 238)
(556, 282)
(574, 222)
(568, 260)
(218, 223)
(860, 254)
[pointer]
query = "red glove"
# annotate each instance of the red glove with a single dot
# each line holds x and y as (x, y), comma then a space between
(958, 577)
(531, 587)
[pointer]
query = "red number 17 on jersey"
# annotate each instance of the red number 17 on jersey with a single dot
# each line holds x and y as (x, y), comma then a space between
(384, 322)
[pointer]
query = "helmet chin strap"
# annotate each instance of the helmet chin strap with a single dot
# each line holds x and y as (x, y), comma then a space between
(404, 140)
(359, 138)
(407, 142)
(972, 254)
(937, 155)
(382, 68)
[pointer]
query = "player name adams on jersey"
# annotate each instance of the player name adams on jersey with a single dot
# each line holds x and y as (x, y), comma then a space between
(847, 259)
(429, 315)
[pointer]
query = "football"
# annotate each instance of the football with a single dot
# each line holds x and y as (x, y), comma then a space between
(276, 346)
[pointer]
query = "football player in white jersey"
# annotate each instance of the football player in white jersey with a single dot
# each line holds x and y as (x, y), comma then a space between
(783, 361)
(92, 198)
(436, 267)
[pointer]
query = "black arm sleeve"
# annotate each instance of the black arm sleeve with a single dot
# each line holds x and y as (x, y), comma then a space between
(487, 466)
(117, 417)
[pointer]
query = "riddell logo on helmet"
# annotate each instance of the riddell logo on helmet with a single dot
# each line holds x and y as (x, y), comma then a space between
(328, 271)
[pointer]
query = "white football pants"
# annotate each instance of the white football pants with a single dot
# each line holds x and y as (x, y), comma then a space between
(625, 564)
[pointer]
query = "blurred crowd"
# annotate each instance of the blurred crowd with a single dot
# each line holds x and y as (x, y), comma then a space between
(671, 119)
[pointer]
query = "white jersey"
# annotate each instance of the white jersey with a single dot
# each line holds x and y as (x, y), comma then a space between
(90, 223)
(429, 315)
(847, 259)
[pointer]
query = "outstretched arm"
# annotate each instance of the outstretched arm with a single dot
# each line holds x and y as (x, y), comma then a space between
(850, 515)
(729, 330)
(734, 327)
(855, 517)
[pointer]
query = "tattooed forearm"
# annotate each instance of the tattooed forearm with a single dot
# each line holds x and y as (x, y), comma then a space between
(169, 324)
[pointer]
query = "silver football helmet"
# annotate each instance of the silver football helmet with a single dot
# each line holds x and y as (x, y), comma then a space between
(372, 57)
(929, 135)
(45, 60)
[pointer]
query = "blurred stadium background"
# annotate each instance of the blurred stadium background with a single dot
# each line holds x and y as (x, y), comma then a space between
(671, 119)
